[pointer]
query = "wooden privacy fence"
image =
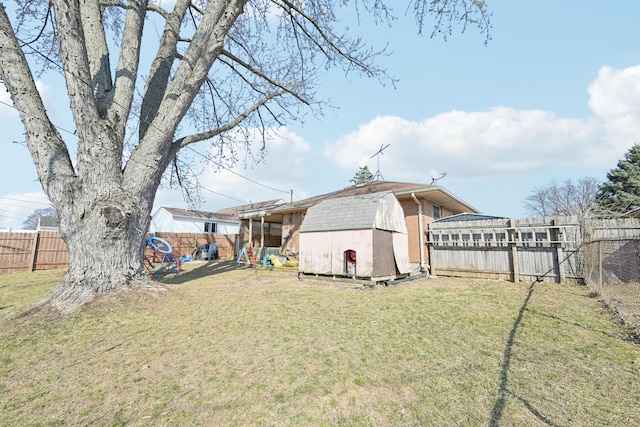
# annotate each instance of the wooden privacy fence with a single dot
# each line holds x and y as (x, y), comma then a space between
(188, 243)
(45, 250)
(549, 249)
(518, 250)
(31, 251)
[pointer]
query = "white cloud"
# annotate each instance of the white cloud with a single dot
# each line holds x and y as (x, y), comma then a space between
(281, 170)
(167, 4)
(502, 140)
(614, 96)
(6, 103)
(485, 143)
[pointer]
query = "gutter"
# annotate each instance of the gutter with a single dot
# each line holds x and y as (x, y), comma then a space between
(421, 231)
(436, 189)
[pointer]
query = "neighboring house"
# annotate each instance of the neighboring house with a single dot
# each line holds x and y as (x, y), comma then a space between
(359, 236)
(279, 226)
(47, 223)
(174, 220)
(225, 221)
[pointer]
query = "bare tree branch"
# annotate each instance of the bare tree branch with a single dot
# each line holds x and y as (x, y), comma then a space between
(127, 68)
(259, 74)
(568, 198)
(45, 144)
(183, 142)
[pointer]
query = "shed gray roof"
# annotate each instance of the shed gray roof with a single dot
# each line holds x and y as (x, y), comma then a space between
(362, 212)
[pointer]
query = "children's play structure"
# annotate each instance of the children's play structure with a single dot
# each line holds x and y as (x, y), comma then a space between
(163, 254)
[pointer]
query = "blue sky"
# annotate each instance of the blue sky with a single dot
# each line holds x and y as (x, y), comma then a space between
(554, 95)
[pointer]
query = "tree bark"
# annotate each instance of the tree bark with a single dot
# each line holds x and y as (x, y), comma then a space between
(106, 247)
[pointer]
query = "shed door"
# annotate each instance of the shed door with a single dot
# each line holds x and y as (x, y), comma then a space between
(401, 252)
(350, 262)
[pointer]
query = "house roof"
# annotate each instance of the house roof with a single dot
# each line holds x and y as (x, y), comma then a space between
(361, 212)
(200, 214)
(466, 216)
(48, 222)
(235, 210)
(402, 190)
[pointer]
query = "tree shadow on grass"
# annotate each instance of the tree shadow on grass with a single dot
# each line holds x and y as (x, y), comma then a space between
(203, 270)
(503, 391)
(577, 325)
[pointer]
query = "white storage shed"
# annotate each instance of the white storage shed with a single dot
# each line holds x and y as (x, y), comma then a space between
(362, 236)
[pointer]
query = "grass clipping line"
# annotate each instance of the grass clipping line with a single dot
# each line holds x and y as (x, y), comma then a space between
(229, 345)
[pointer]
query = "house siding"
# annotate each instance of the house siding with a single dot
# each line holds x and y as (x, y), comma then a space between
(410, 208)
(165, 222)
(291, 223)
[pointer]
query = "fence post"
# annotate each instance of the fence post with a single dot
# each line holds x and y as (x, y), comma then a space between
(34, 251)
(600, 264)
(430, 254)
(558, 237)
(514, 250)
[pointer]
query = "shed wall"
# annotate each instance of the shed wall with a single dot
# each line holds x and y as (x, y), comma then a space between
(323, 252)
(384, 263)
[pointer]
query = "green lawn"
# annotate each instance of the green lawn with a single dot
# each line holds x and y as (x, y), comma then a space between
(230, 346)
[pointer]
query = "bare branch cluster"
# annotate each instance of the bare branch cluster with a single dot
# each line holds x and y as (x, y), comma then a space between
(567, 198)
(263, 76)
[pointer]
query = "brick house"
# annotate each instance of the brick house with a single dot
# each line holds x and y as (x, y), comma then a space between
(279, 226)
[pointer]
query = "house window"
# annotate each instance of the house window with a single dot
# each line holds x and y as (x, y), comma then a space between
(210, 227)
(436, 212)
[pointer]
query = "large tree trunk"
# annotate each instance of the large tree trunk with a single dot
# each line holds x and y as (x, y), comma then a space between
(106, 247)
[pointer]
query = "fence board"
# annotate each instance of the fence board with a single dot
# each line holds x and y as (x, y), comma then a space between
(52, 251)
(16, 251)
(188, 243)
(45, 250)
(529, 249)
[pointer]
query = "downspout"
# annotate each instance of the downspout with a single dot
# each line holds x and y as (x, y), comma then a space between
(421, 231)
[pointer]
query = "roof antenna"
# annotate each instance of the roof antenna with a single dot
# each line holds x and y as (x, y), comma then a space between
(378, 175)
(436, 176)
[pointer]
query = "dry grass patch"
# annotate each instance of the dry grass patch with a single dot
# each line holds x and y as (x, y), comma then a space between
(249, 346)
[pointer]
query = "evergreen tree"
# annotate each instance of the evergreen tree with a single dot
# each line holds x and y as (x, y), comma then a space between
(363, 176)
(621, 191)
